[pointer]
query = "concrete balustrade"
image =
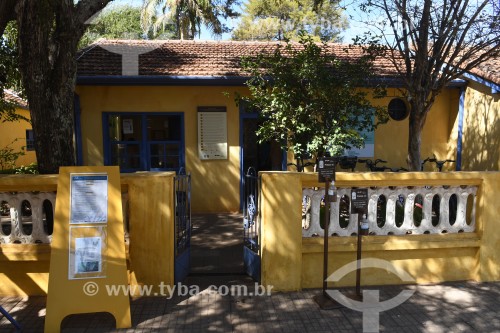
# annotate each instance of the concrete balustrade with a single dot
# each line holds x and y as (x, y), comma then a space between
(147, 202)
(466, 249)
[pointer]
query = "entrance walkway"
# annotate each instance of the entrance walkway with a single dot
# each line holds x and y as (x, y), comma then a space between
(217, 244)
(451, 307)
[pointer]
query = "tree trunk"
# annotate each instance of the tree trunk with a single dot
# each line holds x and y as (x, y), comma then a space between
(416, 124)
(47, 63)
(49, 32)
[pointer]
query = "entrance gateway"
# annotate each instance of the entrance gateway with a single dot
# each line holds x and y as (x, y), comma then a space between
(145, 141)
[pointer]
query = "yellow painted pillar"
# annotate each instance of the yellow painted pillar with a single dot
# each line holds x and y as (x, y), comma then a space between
(488, 222)
(281, 230)
(151, 230)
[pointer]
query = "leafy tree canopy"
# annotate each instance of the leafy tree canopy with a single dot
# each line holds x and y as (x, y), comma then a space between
(430, 43)
(10, 76)
(188, 15)
(283, 19)
(123, 22)
(309, 99)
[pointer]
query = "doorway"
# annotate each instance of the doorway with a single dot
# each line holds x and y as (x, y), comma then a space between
(264, 156)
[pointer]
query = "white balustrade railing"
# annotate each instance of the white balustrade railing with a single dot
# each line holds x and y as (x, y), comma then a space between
(25, 217)
(395, 211)
(28, 217)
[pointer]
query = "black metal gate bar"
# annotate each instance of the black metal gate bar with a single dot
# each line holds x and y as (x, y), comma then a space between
(251, 225)
(182, 202)
(250, 211)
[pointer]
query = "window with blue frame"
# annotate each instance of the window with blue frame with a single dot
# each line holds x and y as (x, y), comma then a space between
(30, 140)
(144, 141)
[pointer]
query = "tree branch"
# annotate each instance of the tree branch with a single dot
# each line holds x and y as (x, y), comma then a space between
(85, 9)
(7, 13)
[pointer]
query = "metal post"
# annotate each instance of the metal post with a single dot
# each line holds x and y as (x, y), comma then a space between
(325, 237)
(358, 258)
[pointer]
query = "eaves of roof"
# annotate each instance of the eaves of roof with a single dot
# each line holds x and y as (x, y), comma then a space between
(12, 97)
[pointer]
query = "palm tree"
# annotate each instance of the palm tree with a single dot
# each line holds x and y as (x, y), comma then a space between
(188, 15)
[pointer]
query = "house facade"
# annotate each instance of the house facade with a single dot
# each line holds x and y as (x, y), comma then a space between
(159, 106)
(18, 135)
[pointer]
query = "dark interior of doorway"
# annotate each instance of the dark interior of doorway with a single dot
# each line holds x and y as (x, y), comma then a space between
(264, 156)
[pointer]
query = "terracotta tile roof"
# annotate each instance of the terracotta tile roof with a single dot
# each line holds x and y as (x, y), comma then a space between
(489, 70)
(11, 97)
(189, 58)
(210, 58)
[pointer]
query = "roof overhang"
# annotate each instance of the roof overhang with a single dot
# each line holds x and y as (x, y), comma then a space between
(495, 88)
(160, 80)
(169, 80)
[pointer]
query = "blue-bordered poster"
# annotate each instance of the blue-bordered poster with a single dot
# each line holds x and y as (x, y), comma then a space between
(89, 198)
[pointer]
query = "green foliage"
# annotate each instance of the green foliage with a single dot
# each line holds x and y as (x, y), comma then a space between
(283, 19)
(10, 76)
(188, 15)
(9, 156)
(308, 98)
(122, 22)
(31, 169)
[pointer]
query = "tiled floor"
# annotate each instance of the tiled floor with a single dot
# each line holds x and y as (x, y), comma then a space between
(451, 307)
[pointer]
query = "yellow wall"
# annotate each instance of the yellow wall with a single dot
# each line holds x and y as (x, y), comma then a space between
(215, 183)
(391, 139)
(439, 134)
(481, 129)
(24, 268)
(290, 262)
(10, 131)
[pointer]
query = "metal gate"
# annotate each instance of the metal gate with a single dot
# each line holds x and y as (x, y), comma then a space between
(251, 225)
(182, 225)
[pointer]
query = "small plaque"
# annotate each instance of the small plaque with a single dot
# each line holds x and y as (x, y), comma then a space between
(326, 169)
(359, 201)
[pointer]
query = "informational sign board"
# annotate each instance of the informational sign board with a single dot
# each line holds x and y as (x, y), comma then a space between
(88, 247)
(89, 198)
(212, 133)
(326, 168)
(359, 201)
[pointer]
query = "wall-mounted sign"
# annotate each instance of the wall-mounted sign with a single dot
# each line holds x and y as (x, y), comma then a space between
(212, 133)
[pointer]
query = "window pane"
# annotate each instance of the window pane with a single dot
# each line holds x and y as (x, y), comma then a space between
(164, 128)
(125, 128)
(165, 155)
(127, 156)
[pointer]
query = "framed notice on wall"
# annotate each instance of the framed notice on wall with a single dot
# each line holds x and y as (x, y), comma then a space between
(212, 133)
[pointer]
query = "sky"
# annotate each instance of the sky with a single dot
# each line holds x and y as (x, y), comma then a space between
(354, 29)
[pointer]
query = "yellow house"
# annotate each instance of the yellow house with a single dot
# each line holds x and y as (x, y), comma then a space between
(18, 134)
(167, 105)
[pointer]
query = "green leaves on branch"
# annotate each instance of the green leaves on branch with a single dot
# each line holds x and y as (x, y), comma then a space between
(310, 100)
(283, 19)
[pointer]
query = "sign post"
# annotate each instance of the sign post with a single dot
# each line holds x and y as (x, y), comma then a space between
(359, 205)
(326, 174)
(88, 247)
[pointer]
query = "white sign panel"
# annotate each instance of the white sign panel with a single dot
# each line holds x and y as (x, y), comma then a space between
(212, 135)
(89, 198)
(88, 256)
